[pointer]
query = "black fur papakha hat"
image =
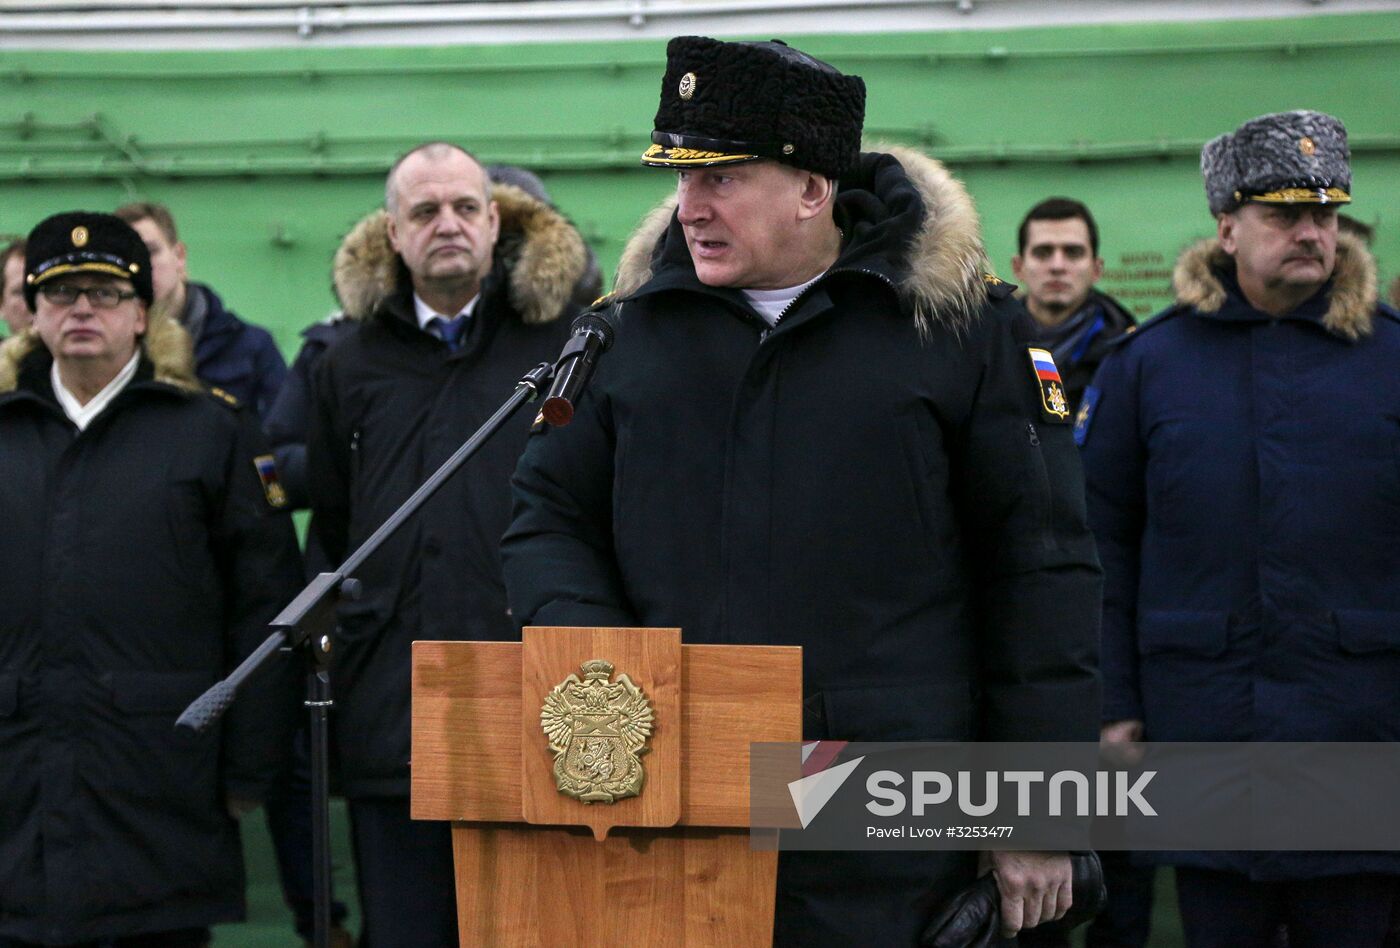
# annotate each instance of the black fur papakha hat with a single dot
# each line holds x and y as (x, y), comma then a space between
(723, 103)
(86, 242)
(1286, 158)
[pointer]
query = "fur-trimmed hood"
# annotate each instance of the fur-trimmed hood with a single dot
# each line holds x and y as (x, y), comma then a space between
(166, 344)
(1352, 297)
(942, 280)
(541, 252)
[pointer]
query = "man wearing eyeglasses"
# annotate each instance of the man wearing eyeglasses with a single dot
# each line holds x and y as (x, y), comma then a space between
(145, 548)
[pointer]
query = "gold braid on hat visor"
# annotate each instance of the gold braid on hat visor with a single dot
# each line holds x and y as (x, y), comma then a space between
(90, 266)
(1300, 196)
(680, 157)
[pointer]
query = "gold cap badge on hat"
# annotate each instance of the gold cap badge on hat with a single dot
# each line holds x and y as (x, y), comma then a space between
(1307, 146)
(687, 86)
(80, 236)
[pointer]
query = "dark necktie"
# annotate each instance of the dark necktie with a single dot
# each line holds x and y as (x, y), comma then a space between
(449, 330)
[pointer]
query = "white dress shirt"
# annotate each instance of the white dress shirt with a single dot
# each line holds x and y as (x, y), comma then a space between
(80, 414)
(426, 314)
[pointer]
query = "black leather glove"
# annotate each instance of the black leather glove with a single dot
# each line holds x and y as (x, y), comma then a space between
(972, 918)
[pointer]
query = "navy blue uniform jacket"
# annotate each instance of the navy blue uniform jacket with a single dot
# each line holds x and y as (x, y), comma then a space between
(1244, 485)
(238, 357)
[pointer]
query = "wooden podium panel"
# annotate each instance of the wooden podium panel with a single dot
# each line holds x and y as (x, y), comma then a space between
(465, 756)
(697, 883)
(670, 888)
(735, 695)
(467, 727)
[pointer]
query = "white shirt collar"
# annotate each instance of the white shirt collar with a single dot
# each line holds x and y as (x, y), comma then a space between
(427, 314)
(82, 415)
(770, 303)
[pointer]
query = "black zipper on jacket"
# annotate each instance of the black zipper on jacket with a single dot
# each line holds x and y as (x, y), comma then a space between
(749, 315)
(817, 282)
(1043, 490)
(355, 456)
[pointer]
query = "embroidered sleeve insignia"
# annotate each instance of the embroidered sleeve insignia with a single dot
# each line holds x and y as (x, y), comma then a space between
(273, 490)
(1054, 406)
(1085, 415)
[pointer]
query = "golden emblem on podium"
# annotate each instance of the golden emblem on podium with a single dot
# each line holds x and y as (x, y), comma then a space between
(598, 730)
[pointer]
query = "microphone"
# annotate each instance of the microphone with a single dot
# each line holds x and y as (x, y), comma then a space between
(592, 336)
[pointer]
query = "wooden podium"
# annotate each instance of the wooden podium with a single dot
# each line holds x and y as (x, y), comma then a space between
(671, 866)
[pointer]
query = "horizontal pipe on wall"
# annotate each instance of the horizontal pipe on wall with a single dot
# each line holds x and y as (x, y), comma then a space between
(307, 18)
(143, 163)
(284, 24)
(30, 73)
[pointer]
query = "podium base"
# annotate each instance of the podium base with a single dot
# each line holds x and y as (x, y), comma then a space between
(521, 885)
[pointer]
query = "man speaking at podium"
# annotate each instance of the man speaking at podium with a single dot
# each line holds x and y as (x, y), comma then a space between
(822, 424)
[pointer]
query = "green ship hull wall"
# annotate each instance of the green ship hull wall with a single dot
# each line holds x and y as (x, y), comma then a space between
(267, 157)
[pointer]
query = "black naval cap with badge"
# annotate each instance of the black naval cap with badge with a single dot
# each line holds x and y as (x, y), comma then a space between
(1296, 157)
(86, 242)
(725, 103)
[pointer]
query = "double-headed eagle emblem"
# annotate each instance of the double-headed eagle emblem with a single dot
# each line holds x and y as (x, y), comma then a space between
(598, 731)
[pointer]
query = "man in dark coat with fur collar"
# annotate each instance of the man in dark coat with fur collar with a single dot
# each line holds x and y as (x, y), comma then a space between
(1243, 485)
(146, 546)
(458, 289)
(822, 425)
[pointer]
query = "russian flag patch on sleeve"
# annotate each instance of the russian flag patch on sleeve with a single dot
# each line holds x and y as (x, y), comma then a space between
(1054, 406)
(276, 495)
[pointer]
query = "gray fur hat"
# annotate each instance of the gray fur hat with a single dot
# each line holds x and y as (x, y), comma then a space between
(1285, 158)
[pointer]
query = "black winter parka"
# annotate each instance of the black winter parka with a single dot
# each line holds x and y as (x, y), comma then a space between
(875, 479)
(140, 562)
(1244, 484)
(390, 404)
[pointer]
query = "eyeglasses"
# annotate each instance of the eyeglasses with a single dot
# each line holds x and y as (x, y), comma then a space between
(101, 297)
